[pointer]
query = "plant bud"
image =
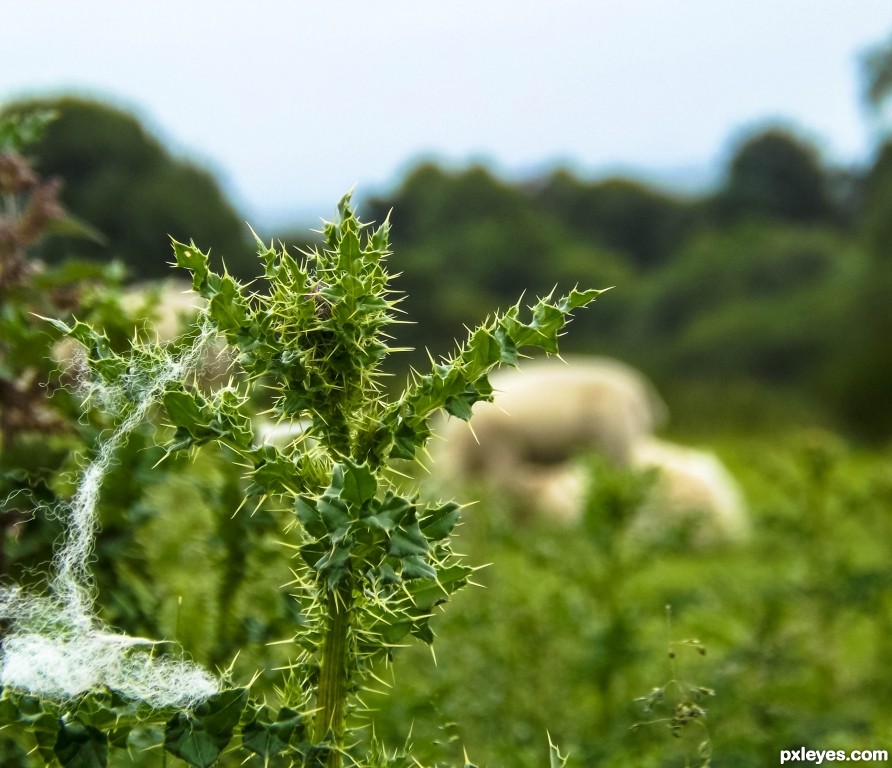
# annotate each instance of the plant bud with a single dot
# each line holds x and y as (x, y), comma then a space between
(323, 308)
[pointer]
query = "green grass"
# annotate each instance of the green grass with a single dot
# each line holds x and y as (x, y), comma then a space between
(796, 627)
(565, 633)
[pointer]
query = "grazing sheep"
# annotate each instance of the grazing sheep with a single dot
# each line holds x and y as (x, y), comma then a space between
(693, 497)
(548, 413)
(545, 413)
(166, 307)
(694, 490)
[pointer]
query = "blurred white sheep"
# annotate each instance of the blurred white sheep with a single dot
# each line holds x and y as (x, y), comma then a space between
(693, 488)
(545, 414)
(164, 308)
(160, 311)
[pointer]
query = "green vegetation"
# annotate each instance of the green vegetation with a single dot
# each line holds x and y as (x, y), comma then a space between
(772, 283)
(370, 563)
(761, 311)
(570, 630)
(131, 191)
(757, 286)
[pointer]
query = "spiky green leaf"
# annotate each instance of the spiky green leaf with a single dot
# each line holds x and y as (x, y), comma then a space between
(81, 746)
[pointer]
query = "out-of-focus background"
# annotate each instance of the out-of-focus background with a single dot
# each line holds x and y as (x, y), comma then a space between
(726, 169)
(723, 168)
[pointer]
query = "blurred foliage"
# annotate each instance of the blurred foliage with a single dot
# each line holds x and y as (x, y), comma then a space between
(130, 189)
(775, 281)
(773, 174)
(752, 301)
(761, 304)
(878, 73)
(570, 629)
(620, 215)
(36, 433)
(861, 374)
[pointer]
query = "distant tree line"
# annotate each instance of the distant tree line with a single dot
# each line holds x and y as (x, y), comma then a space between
(777, 282)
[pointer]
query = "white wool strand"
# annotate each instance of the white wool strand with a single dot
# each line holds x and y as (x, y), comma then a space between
(57, 647)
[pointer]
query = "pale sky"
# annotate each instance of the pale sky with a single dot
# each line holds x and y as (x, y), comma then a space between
(293, 103)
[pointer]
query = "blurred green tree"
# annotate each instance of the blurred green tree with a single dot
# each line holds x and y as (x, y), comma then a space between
(122, 182)
(863, 377)
(775, 174)
(752, 301)
(467, 243)
(861, 381)
(643, 224)
(764, 284)
(877, 207)
(877, 65)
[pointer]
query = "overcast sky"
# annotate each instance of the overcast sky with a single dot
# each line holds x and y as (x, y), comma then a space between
(292, 103)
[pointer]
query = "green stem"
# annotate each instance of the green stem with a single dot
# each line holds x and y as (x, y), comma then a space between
(331, 699)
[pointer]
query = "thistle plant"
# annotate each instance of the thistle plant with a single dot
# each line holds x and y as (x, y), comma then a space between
(370, 563)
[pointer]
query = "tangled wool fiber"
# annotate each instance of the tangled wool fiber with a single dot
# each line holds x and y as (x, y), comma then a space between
(56, 645)
(64, 665)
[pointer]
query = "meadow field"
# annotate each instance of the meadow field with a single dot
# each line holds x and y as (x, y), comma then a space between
(485, 637)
